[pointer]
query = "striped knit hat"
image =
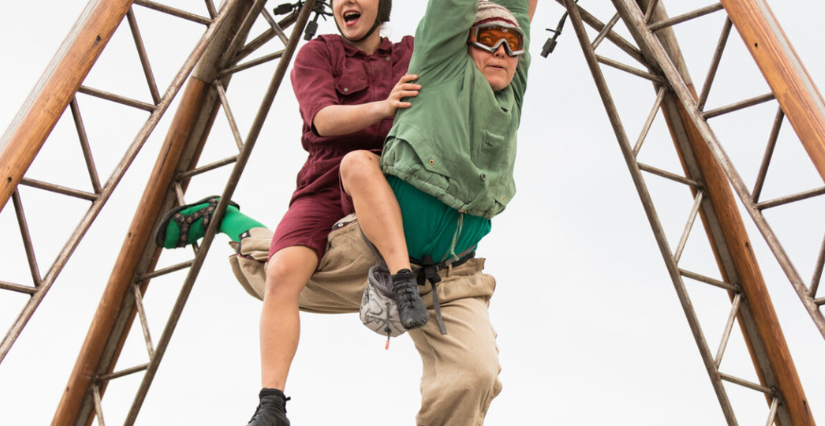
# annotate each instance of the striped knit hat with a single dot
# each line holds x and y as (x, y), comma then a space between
(489, 12)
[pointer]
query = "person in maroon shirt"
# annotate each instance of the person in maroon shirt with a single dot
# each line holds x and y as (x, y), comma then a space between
(348, 88)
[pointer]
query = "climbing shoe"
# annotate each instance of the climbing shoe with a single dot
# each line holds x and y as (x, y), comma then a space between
(271, 410)
(410, 306)
(187, 224)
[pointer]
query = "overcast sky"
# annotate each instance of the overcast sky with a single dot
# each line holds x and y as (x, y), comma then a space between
(590, 328)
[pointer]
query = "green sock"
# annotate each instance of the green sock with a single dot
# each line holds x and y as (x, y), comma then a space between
(235, 223)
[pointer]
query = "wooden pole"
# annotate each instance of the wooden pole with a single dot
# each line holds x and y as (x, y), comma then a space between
(735, 236)
(180, 151)
(786, 75)
(140, 233)
(55, 89)
(750, 276)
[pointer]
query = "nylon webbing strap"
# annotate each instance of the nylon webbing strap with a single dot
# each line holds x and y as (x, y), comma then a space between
(429, 271)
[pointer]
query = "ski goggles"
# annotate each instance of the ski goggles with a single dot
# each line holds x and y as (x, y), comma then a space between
(490, 36)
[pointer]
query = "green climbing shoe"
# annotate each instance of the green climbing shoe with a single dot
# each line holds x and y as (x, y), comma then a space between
(187, 224)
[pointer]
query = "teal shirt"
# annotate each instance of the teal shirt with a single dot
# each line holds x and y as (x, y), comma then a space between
(458, 140)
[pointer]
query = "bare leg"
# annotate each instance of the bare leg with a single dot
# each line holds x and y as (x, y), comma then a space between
(380, 217)
(287, 273)
(377, 207)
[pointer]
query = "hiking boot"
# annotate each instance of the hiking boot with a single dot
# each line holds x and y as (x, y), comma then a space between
(271, 410)
(410, 306)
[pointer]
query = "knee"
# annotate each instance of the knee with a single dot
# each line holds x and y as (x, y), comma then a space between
(282, 281)
(480, 373)
(358, 166)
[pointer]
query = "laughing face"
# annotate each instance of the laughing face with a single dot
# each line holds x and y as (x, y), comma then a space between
(497, 67)
(355, 17)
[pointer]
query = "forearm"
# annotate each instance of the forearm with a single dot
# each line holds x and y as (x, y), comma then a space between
(336, 120)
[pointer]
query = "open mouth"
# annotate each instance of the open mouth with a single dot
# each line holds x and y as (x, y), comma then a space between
(350, 18)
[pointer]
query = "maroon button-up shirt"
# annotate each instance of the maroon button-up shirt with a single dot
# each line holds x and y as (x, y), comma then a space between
(329, 71)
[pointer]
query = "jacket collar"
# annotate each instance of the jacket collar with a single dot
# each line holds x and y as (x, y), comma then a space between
(384, 47)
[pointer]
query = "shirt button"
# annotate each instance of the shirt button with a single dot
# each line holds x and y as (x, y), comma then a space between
(387, 59)
(432, 162)
(346, 90)
(483, 176)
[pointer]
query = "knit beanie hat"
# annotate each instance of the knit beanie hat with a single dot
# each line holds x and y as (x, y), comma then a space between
(489, 12)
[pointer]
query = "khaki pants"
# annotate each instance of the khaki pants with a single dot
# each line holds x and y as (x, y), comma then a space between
(460, 374)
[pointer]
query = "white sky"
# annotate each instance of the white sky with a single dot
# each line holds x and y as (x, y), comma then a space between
(590, 328)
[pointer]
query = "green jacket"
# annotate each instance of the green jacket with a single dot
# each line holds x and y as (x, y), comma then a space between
(458, 140)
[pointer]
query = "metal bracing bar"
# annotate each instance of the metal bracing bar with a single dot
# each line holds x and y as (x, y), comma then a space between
(179, 191)
(773, 411)
(275, 27)
(686, 98)
(144, 323)
(603, 33)
(59, 189)
(123, 373)
(256, 43)
(700, 196)
(650, 211)
(37, 279)
(614, 37)
(747, 384)
(785, 74)
(723, 344)
(250, 64)
(790, 199)
(98, 405)
(620, 66)
(649, 122)
(174, 12)
(229, 116)
(144, 58)
(84, 145)
(668, 175)
(714, 63)
(651, 7)
(232, 182)
(766, 158)
(732, 248)
(17, 288)
(164, 271)
(116, 312)
(739, 105)
(41, 111)
(211, 166)
(708, 280)
(240, 35)
(685, 17)
(116, 98)
(211, 8)
(820, 262)
(108, 188)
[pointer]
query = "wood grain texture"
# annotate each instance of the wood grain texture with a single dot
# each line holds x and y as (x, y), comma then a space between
(55, 89)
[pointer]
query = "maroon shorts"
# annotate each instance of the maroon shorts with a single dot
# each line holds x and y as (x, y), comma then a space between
(309, 221)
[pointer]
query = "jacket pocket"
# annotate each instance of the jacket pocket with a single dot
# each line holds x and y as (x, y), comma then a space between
(492, 152)
(349, 84)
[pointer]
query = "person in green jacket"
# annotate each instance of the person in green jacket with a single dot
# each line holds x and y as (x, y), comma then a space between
(447, 164)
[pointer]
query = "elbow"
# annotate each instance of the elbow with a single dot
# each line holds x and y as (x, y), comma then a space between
(319, 126)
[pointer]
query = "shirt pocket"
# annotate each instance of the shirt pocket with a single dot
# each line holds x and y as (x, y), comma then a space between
(492, 152)
(348, 85)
